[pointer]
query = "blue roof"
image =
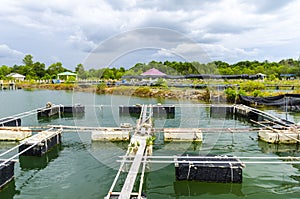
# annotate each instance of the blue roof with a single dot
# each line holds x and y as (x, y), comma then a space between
(287, 75)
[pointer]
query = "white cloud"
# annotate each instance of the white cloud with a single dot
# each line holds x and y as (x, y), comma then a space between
(80, 41)
(219, 52)
(164, 53)
(7, 52)
(232, 28)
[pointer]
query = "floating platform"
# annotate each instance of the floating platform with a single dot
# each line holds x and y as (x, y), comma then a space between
(111, 134)
(158, 110)
(6, 172)
(214, 169)
(43, 142)
(14, 133)
(217, 111)
(182, 134)
(48, 111)
(279, 137)
(36, 162)
(77, 108)
(9, 121)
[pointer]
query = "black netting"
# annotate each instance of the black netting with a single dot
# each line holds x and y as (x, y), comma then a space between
(280, 100)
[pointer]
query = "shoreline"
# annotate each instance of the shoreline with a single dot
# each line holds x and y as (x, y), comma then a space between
(199, 95)
(204, 95)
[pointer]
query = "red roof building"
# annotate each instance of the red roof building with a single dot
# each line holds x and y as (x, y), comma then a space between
(153, 72)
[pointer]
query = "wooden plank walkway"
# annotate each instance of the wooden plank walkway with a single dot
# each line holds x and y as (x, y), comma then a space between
(142, 132)
(134, 169)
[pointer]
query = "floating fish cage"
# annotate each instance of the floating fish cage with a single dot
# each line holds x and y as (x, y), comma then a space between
(48, 112)
(77, 108)
(36, 162)
(221, 112)
(9, 121)
(6, 172)
(158, 110)
(209, 169)
(41, 148)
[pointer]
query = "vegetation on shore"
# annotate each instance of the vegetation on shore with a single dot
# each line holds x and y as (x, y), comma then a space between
(208, 94)
(38, 71)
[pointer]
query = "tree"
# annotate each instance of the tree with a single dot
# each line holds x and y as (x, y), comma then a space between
(4, 70)
(55, 68)
(27, 60)
(39, 69)
(80, 71)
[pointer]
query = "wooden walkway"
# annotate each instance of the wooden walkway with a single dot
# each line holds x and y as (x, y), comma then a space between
(142, 132)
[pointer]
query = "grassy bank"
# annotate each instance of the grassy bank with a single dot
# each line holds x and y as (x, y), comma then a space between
(230, 94)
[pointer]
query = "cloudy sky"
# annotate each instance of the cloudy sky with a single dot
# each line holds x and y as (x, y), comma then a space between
(117, 33)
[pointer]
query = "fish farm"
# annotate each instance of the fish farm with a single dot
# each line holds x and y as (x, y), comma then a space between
(140, 154)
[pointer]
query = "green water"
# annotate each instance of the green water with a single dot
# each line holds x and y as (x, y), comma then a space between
(81, 169)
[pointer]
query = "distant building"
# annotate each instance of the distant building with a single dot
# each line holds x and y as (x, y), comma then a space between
(153, 72)
(288, 76)
(16, 76)
(66, 75)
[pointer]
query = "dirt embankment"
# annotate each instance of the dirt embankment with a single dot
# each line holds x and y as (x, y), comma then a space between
(203, 95)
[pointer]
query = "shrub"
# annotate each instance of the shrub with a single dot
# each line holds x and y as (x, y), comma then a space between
(142, 91)
(101, 88)
(230, 94)
(161, 83)
(251, 86)
(71, 80)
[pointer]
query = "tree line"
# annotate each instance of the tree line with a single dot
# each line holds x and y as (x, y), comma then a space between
(38, 70)
(271, 69)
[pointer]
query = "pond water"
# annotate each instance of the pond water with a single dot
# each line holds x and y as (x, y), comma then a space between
(79, 168)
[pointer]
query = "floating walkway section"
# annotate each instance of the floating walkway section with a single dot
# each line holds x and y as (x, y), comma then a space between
(111, 134)
(137, 148)
(272, 129)
(36, 145)
(14, 133)
(182, 134)
(40, 143)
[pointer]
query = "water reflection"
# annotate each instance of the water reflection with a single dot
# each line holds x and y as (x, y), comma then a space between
(192, 188)
(9, 190)
(279, 149)
(73, 115)
(34, 162)
(47, 119)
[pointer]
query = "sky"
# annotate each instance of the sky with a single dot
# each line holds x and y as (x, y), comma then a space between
(114, 33)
